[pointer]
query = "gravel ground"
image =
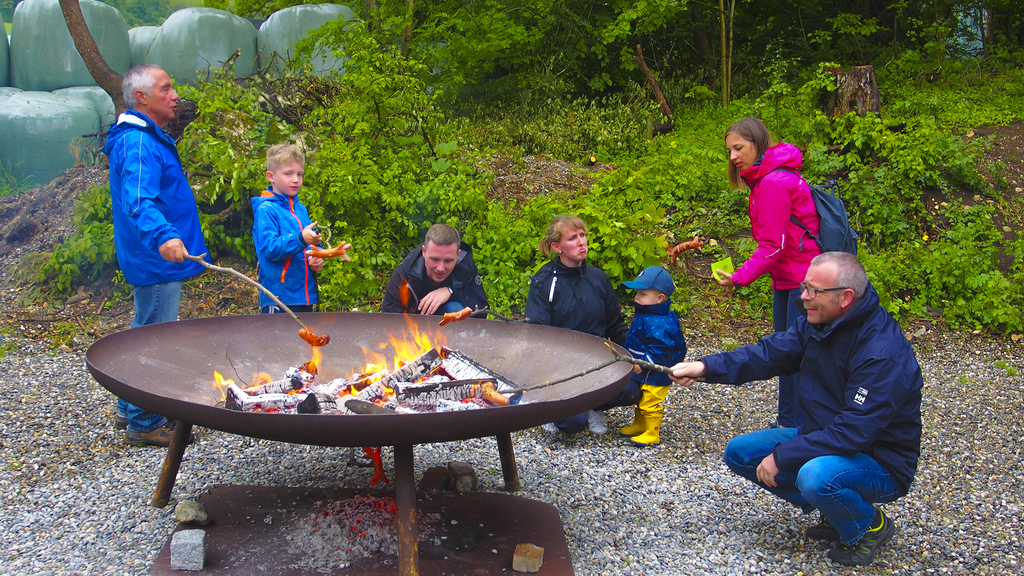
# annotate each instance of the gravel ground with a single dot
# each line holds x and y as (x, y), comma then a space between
(76, 497)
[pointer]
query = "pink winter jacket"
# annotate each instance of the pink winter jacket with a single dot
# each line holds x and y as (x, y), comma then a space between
(774, 197)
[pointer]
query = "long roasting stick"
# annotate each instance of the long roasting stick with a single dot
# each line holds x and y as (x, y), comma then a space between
(615, 359)
(238, 274)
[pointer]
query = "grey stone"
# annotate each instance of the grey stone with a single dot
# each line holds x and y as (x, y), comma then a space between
(188, 550)
(191, 512)
(527, 558)
(463, 476)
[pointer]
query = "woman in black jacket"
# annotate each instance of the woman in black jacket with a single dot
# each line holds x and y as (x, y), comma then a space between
(568, 293)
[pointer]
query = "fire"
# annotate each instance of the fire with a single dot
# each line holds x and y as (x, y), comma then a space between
(313, 366)
(220, 383)
(258, 378)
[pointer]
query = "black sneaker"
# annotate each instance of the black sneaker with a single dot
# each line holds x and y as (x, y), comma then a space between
(823, 530)
(862, 552)
(120, 422)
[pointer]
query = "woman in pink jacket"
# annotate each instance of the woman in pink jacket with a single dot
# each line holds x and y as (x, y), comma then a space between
(778, 193)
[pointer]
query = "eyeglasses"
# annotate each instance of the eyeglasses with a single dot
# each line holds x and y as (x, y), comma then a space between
(813, 292)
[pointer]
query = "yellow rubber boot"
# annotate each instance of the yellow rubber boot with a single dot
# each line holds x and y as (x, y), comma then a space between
(652, 411)
(638, 426)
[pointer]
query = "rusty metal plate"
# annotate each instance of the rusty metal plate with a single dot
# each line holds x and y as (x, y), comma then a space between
(168, 368)
(479, 536)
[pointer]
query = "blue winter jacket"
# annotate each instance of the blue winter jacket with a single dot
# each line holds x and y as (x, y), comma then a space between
(278, 220)
(151, 200)
(655, 336)
(860, 387)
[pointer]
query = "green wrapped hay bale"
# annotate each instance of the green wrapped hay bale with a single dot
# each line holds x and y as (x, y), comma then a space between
(101, 101)
(141, 38)
(5, 58)
(7, 90)
(43, 55)
(284, 28)
(39, 131)
(201, 38)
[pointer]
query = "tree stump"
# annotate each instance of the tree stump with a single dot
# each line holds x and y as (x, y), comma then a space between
(855, 90)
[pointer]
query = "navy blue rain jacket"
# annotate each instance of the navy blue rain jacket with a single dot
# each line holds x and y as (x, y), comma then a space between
(655, 336)
(580, 299)
(278, 220)
(152, 202)
(860, 387)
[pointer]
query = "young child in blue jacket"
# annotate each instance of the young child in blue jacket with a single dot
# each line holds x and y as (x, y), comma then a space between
(654, 336)
(282, 232)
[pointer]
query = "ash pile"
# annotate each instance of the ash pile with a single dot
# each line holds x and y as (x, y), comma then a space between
(440, 380)
(343, 532)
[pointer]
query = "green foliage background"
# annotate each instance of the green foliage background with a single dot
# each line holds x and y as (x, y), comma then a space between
(398, 143)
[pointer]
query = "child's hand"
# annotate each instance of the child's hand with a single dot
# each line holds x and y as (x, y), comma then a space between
(315, 264)
(637, 369)
(725, 279)
(310, 236)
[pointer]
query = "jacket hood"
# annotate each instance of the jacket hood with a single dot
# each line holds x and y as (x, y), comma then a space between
(269, 195)
(782, 155)
(129, 120)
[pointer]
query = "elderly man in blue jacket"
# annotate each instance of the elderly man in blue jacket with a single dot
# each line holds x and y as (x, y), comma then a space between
(860, 392)
(156, 220)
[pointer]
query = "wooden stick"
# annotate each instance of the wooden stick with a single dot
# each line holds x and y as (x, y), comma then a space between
(247, 279)
(616, 357)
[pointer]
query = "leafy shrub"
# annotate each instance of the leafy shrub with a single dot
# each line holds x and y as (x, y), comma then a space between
(87, 253)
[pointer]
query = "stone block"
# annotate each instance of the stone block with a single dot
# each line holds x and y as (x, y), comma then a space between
(188, 550)
(527, 558)
(435, 478)
(463, 476)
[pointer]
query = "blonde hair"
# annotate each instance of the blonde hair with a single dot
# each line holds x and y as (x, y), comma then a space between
(284, 153)
(558, 227)
(754, 131)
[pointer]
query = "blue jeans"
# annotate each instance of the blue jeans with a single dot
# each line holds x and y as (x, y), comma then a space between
(449, 307)
(153, 304)
(841, 487)
(786, 308)
(629, 396)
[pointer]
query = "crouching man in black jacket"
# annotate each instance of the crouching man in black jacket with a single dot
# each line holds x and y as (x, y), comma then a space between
(860, 391)
(438, 277)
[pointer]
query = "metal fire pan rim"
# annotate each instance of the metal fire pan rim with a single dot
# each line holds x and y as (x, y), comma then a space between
(527, 354)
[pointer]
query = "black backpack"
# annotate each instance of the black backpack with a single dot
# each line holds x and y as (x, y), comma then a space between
(835, 233)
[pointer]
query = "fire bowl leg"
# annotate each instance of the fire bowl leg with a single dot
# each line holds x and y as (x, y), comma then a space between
(175, 452)
(507, 454)
(405, 502)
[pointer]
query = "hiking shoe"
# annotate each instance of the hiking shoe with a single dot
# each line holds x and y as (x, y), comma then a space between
(120, 422)
(549, 427)
(159, 437)
(862, 552)
(823, 530)
(596, 422)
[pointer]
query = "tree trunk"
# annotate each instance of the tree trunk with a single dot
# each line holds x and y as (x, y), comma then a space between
(658, 96)
(855, 90)
(105, 77)
(725, 55)
(408, 31)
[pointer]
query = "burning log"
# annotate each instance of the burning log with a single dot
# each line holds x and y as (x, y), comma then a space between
(295, 379)
(319, 403)
(432, 392)
(237, 399)
(414, 370)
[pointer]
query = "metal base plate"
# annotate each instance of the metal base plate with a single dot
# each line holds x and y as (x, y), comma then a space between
(477, 533)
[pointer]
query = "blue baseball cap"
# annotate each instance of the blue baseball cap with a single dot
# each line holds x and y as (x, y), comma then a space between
(654, 277)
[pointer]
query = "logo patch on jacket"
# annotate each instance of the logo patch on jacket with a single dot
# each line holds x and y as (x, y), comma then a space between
(861, 396)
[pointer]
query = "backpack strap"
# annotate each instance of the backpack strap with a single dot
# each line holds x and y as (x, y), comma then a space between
(794, 219)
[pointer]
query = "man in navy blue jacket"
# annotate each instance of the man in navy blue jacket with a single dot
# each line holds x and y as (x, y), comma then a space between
(860, 391)
(156, 220)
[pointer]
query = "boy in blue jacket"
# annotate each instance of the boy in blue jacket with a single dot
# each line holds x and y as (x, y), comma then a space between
(654, 336)
(282, 231)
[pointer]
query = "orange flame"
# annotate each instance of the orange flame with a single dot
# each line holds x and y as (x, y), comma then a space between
(404, 293)
(257, 379)
(313, 366)
(221, 383)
